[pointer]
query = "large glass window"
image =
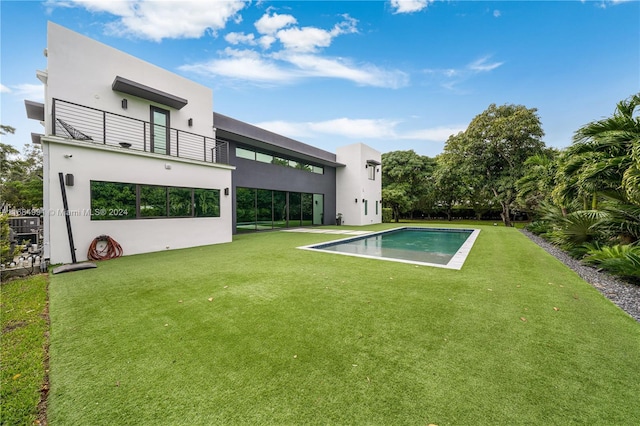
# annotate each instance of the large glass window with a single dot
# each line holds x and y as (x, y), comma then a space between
(279, 209)
(295, 209)
(263, 157)
(206, 202)
(307, 209)
(264, 208)
(261, 209)
(112, 200)
(245, 209)
(180, 202)
(153, 201)
(245, 153)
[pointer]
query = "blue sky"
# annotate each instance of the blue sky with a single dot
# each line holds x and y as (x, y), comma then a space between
(393, 74)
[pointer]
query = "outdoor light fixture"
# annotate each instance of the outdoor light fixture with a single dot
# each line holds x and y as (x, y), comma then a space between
(356, 200)
(124, 104)
(363, 200)
(190, 121)
(366, 165)
(226, 191)
(68, 179)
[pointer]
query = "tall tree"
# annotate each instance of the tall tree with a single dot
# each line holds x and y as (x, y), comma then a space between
(493, 149)
(405, 180)
(20, 175)
(450, 187)
(539, 179)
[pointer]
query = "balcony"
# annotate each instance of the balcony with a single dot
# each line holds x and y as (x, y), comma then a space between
(101, 127)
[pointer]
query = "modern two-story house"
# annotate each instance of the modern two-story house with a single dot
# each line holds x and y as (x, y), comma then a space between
(136, 152)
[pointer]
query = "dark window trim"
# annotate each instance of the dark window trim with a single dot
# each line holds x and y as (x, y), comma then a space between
(167, 113)
(138, 215)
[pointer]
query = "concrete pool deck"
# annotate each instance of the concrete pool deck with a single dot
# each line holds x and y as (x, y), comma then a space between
(328, 231)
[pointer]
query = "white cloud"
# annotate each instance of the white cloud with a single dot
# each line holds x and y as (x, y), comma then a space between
(365, 75)
(240, 38)
(497, 13)
(244, 65)
(33, 92)
(4, 89)
(409, 6)
(157, 20)
(299, 57)
(270, 24)
(481, 65)
(437, 134)
(309, 39)
(449, 78)
(266, 41)
(361, 129)
(306, 39)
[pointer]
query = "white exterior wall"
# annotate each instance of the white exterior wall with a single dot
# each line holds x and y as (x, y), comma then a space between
(353, 183)
(86, 163)
(82, 71)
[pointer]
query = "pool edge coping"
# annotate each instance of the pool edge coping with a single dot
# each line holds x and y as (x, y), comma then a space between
(455, 263)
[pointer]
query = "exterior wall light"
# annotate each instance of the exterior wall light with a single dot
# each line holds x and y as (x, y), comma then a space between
(124, 104)
(356, 200)
(226, 191)
(190, 121)
(363, 200)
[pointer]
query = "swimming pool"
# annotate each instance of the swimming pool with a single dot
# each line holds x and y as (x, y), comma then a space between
(442, 248)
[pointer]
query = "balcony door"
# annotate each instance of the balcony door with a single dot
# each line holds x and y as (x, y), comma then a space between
(159, 130)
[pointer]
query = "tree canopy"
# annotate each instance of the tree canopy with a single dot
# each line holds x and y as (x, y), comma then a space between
(490, 154)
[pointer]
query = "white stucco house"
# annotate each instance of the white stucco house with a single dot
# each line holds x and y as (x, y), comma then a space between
(136, 152)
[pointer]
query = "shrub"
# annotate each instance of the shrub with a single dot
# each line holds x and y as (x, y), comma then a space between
(6, 253)
(622, 260)
(387, 215)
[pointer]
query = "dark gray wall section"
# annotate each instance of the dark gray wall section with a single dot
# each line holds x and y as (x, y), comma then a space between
(255, 174)
(231, 129)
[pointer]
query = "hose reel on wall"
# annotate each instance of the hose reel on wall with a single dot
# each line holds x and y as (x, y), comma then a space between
(103, 247)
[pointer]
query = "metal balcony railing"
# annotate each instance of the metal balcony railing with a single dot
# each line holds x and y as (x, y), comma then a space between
(80, 122)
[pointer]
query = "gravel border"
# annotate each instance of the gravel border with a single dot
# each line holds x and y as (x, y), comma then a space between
(623, 294)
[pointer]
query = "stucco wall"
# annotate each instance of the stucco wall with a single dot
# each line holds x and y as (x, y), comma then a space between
(353, 185)
(82, 70)
(87, 162)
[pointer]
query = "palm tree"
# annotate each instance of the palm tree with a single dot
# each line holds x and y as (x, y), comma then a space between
(537, 184)
(605, 155)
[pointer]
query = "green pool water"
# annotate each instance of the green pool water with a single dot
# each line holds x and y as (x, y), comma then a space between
(415, 245)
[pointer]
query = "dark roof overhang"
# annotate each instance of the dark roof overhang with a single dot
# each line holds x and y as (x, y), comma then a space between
(255, 137)
(35, 110)
(36, 138)
(121, 84)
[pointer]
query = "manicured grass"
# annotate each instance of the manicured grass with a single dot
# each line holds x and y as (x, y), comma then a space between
(24, 324)
(259, 332)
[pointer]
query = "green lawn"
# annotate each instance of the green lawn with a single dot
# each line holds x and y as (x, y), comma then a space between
(24, 323)
(259, 332)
